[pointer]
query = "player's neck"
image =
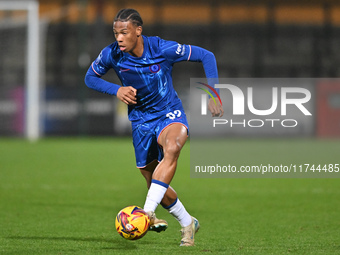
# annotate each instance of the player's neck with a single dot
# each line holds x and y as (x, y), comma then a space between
(139, 49)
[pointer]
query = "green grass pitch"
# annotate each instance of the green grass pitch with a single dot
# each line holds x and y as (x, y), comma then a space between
(60, 196)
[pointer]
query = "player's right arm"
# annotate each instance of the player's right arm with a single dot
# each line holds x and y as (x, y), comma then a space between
(93, 79)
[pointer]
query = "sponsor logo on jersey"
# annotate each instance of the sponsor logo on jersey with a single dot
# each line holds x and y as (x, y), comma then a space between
(180, 49)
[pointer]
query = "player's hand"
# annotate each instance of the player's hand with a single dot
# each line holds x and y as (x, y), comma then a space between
(215, 109)
(127, 95)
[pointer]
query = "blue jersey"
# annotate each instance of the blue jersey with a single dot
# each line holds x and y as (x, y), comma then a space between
(150, 74)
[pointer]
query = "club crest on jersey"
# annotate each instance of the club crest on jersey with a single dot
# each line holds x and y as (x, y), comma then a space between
(155, 68)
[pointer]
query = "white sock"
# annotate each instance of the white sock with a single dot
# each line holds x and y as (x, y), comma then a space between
(155, 195)
(177, 210)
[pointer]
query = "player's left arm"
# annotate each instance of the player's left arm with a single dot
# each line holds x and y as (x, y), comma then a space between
(198, 54)
(176, 52)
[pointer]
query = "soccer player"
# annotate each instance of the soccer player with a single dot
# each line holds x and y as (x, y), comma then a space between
(159, 125)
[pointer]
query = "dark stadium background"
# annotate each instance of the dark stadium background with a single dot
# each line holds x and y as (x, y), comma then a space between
(273, 38)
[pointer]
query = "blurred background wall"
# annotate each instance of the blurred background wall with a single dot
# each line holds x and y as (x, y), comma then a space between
(258, 38)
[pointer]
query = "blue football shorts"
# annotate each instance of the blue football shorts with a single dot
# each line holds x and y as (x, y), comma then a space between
(145, 136)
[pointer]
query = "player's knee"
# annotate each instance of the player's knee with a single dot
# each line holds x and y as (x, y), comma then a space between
(173, 148)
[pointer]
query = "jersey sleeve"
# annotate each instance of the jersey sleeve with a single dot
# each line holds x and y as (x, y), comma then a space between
(98, 68)
(176, 52)
(93, 81)
(208, 60)
(101, 65)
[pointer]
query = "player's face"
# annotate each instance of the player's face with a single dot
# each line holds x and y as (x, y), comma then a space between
(127, 34)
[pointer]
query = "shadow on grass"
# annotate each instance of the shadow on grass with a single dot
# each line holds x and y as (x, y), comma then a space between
(117, 244)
